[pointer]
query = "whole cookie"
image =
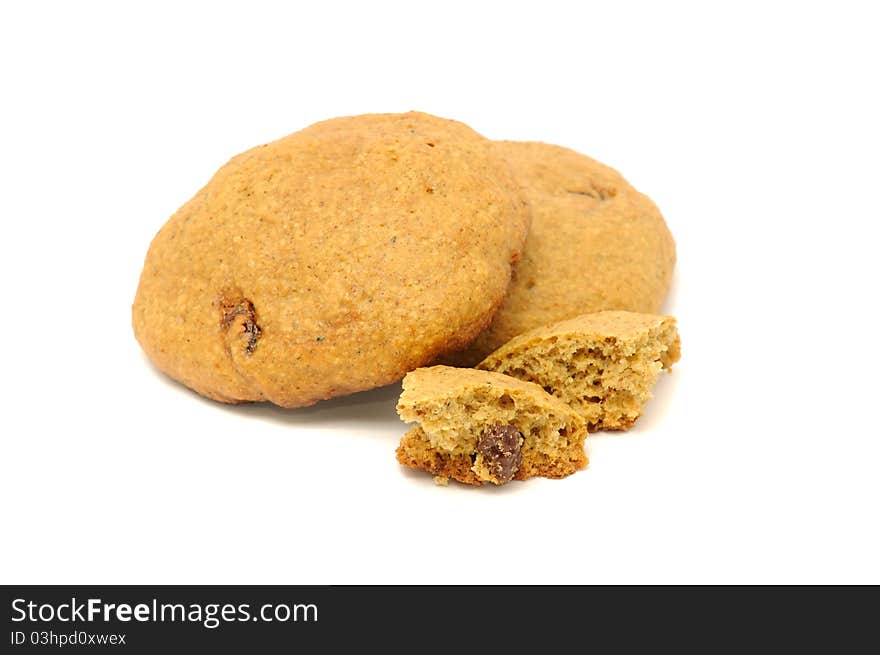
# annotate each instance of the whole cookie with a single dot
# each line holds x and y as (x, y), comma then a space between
(333, 260)
(595, 244)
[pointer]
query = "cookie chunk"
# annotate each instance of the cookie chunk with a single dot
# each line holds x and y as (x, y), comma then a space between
(333, 260)
(595, 244)
(603, 365)
(477, 426)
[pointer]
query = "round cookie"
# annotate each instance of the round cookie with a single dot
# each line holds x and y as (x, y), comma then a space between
(331, 261)
(595, 244)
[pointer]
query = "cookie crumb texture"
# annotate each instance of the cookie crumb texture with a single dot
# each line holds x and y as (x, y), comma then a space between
(603, 365)
(595, 244)
(481, 427)
(331, 261)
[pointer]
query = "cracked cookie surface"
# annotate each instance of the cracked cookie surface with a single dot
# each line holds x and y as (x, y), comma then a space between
(331, 261)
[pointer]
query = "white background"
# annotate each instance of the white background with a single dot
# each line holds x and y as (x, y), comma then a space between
(754, 128)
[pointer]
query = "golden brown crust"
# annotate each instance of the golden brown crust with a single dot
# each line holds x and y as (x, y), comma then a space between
(595, 244)
(433, 383)
(355, 250)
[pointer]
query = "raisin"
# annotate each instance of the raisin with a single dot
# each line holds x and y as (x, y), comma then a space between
(230, 309)
(501, 449)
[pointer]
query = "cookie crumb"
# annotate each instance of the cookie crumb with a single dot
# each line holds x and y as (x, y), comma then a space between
(441, 480)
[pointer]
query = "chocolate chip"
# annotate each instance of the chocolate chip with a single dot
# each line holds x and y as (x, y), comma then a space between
(501, 449)
(253, 332)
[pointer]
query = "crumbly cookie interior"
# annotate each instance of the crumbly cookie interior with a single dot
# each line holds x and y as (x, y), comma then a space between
(607, 380)
(451, 430)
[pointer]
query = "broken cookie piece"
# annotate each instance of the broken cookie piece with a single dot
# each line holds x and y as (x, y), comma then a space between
(478, 426)
(603, 365)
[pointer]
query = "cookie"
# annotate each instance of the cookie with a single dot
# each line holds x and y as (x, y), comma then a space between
(595, 244)
(331, 261)
(603, 365)
(477, 427)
